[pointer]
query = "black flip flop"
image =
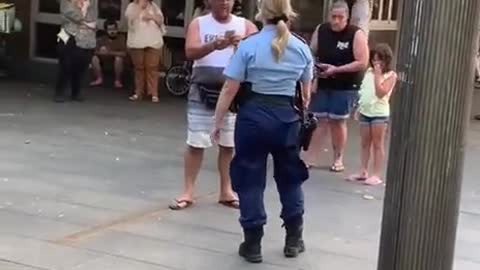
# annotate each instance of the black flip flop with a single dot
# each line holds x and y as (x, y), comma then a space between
(235, 204)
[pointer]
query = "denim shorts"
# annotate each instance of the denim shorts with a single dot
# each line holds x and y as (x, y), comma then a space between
(369, 121)
(334, 104)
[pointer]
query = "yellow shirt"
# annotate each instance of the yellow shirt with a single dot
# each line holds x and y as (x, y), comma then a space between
(370, 105)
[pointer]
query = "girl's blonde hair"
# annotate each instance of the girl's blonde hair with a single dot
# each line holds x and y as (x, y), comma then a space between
(278, 12)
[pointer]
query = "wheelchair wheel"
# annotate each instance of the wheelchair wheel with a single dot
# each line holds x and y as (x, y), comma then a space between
(177, 80)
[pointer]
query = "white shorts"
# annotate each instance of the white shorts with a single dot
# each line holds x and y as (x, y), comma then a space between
(200, 126)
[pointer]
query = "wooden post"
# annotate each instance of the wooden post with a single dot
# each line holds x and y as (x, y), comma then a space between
(435, 65)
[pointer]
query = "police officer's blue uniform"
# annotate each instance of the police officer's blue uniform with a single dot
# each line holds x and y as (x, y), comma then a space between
(268, 124)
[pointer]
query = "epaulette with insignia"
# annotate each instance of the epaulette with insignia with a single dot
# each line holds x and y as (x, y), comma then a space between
(300, 37)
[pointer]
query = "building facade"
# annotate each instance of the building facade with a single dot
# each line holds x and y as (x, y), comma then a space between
(33, 50)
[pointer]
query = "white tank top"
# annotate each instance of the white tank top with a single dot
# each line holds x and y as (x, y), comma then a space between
(210, 29)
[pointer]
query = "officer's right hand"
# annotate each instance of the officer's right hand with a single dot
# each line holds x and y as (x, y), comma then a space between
(221, 43)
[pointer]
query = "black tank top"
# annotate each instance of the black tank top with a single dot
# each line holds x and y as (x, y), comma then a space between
(336, 48)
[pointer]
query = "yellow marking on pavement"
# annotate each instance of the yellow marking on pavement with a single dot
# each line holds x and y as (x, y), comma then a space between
(101, 229)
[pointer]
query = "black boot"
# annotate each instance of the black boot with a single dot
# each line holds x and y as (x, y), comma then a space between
(251, 248)
(294, 244)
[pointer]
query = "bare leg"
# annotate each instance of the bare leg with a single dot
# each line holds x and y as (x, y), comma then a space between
(366, 145)
(378, 141)
(225, 156)
(193, 163)
(118, 67)
(312, 156)
(339, 141)
(366, 149)
(97, 71)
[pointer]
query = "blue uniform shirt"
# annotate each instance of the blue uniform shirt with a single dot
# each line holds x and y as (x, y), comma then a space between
(255, 62)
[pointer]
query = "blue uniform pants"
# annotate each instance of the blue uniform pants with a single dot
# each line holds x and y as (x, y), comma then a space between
(262, 130)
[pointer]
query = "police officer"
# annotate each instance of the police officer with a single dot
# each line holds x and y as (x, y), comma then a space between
(273, 61)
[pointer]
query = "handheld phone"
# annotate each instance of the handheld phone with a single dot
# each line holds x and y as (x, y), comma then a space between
(229, 33)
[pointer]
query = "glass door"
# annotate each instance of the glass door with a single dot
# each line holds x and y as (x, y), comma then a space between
(46, 22)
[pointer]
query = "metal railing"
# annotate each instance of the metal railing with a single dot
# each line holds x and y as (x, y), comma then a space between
(383, 14)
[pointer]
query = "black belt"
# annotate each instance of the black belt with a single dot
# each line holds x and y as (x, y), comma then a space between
(271, 100)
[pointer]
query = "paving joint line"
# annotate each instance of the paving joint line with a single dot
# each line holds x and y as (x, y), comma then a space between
(23, 264)
(83, 235)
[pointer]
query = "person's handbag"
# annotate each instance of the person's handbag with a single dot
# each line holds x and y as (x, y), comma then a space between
(308, 121)
(209, 94)
(63, 36)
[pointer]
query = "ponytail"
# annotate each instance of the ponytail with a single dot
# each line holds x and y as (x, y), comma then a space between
(280, 43)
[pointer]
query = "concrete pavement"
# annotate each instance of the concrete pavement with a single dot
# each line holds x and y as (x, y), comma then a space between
(86, 186)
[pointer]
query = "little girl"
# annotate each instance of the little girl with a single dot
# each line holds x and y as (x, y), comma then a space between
(373, 113)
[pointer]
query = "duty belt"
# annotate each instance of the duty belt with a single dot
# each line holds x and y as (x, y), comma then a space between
(271, 100)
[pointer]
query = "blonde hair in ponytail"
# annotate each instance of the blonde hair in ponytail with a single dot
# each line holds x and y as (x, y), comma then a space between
(281, 41)
(271, 9)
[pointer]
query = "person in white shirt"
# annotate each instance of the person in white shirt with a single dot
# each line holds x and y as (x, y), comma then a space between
(210, 43)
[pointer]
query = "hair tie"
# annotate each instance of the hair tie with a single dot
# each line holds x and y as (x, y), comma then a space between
(276, 19)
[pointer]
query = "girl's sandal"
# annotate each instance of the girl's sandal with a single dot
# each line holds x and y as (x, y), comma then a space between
(357, 178)
(373, 181)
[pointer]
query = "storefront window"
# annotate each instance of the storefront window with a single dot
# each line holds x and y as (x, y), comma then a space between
(46, 40)
(49, 6)
(110, 9)
(174, 11)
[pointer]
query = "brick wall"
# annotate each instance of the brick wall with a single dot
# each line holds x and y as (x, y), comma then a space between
(19, 43)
